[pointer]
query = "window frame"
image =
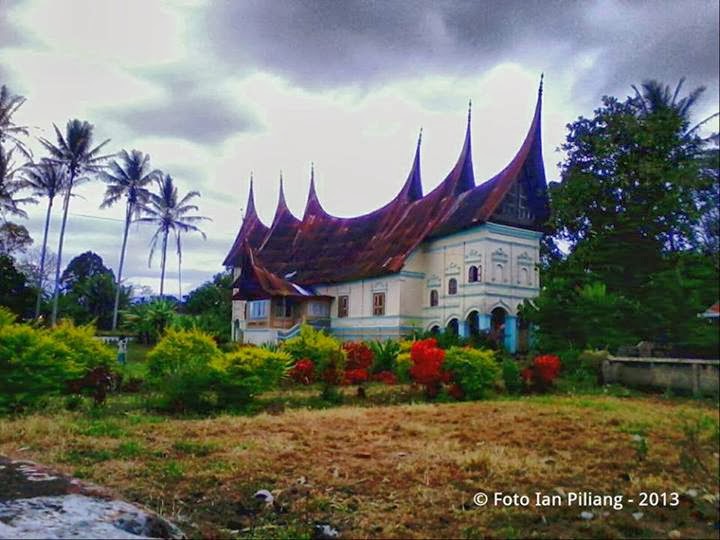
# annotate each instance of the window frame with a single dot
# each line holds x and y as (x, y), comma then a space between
(434, 298)
(378, 304)
(452, 287)
(343, 309)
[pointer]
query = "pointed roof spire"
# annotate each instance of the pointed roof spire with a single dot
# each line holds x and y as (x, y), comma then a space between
(542, 76)
(412, 189)
(462, 177)
(250, 210)
(282, 204)
(313, 205)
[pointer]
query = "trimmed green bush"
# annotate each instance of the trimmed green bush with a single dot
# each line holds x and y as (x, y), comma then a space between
(511, 376)
(87, 351)
(33, 366)
(474, 370)
(181, 368)
(325, 351)
(250, 371)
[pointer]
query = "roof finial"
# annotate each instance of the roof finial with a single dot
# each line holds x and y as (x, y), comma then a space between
(312, 171)
(420, 137)
(469, 110)
(540, 89)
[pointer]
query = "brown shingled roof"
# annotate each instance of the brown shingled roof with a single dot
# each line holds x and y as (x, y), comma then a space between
(322, 248)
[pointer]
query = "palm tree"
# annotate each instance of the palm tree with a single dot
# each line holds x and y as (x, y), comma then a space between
(170, 213)
(74, 150)
(46, 179)
(656, 97)
(9, 130)
(127, 177)
(10, 185)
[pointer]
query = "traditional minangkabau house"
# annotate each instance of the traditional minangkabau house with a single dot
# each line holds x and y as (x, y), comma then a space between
(462, 257)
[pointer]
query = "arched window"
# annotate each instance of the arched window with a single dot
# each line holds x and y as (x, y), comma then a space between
(434, 298)
(452, 286)
(435, 330)
(473, 274)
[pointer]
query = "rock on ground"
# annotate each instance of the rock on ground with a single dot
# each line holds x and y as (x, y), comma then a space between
(38, 503)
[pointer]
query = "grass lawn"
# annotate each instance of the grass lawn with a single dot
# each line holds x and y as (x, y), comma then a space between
(397, 470)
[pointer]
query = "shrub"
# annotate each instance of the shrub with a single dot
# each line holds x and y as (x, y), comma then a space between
(303, 371)
(356, 376)
(33, 366)
(474, 371)
(248, 372)
(88, 352)
(387, 377)
(427, 363)
(546, 368)
(385, 353)
(592, 362)
(359, 355)
(325, 352)
(543, 372)
(403, 363)
(7, 317)
(511, 376)
(181, 368)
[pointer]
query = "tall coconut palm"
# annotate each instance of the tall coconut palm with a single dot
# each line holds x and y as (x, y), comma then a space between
(9, 130)
(75, 151)
(654, 96)
(46, 179)
(170, 213)
(127, 177)
(10, 185)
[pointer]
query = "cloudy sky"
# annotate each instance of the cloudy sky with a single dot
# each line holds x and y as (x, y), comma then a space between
(214, 90)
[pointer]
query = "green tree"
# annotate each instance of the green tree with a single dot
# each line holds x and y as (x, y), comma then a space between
(10, 132)
(74, 150)
(89, 290)
(170, 213)
(46, 179)
(128, 178)
(15, 292)
(11, 184)
(211, 304)
(628, 207)
(14, 238)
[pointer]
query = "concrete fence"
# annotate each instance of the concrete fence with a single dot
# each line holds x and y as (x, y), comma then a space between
(697, 377)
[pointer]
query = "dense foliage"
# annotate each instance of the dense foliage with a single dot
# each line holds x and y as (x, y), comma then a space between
(248, 372)
(36, 364)
(475, 371)
(325, 352)
(634, 208)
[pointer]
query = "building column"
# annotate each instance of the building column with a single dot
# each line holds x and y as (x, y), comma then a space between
(484, 322)
(463, 329)
(511, 333)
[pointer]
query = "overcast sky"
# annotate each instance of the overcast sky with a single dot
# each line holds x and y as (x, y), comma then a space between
(214, 90)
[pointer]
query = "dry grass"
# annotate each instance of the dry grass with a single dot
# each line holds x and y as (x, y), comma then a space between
(396, 471)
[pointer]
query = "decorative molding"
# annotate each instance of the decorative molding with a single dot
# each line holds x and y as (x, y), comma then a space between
(525, 259)
(473, 256)
(452, 269)
(499, 255)
(380, 286)
(434, 282)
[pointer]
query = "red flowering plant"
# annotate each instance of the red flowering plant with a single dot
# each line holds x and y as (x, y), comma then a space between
(303, 371)
(427, 362)
(357, 365)
(387, 377)
(543, 372)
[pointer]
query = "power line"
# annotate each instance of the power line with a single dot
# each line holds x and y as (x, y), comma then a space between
(96, 217)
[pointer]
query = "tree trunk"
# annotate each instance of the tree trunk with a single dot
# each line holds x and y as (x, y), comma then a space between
(162, 265)
(56, 292)
(179, 251)
(128, 214)
(42, 258)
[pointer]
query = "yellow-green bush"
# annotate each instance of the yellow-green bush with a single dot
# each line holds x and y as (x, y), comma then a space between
(474, 370)
(181, 368)
(402, 367)
(325, 351)
(33, 366)
(250, 371)
(87, 351)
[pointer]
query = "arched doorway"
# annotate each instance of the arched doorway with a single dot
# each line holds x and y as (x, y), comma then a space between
(473, 322)
(435, 330)
(453, 326)
(498, 317)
